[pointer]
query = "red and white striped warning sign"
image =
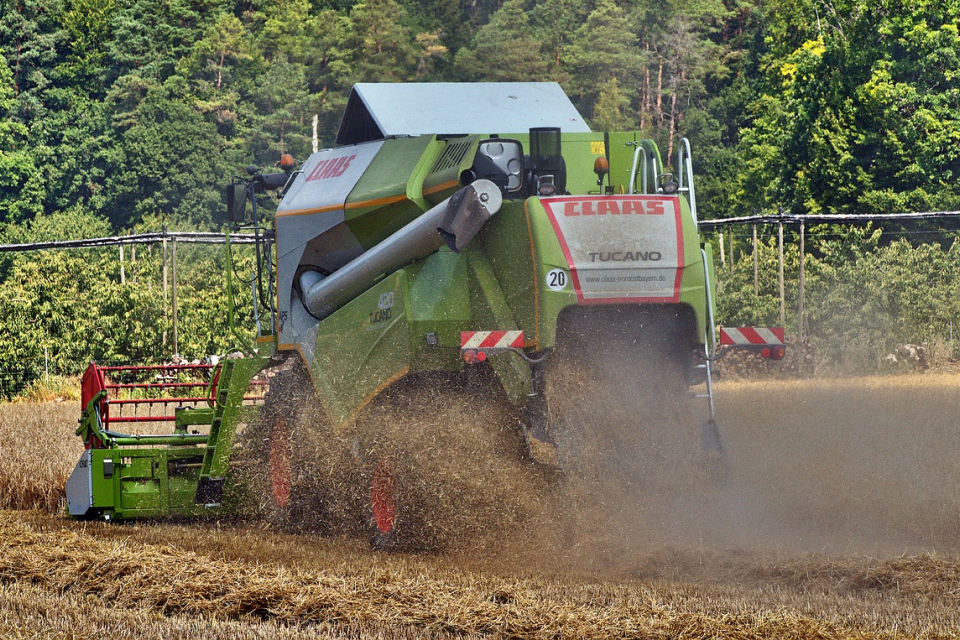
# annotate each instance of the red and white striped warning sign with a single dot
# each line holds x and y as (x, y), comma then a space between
(491, 339)
(752, 335)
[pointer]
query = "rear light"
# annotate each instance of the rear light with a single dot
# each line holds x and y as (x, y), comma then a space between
(773, 352)
(473, 356)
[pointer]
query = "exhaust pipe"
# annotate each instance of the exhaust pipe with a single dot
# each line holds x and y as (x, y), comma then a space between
(455, 221)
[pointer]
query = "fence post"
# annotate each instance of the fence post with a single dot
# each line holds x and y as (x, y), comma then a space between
(802, 319)
(164, 291)
(176, 349)
(783, 302)
(756, 266)
(730, 231)
(723, 251)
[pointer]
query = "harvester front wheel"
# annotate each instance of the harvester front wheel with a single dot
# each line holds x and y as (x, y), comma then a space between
(271, 470)
(296, 467)
(280, 465)
(440, 470)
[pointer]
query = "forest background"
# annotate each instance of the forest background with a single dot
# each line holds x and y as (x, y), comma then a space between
(121, 116)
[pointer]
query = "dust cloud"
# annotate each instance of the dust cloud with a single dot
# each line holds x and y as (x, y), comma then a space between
(833, 467)
(863, 466)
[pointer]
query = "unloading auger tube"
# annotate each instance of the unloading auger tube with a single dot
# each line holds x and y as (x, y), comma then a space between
(455, 221)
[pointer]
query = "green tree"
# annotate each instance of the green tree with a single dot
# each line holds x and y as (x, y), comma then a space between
(602, 48)
(29, 37)
(151, 36)
(505, 49)
(87, 26)
(384, 50)
(22, 188)
(610, 110)
(281, 114)
(169, 162)
(214, 66)
(554, 22)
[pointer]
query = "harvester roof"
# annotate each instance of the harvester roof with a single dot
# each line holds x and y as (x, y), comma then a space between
(376, 111)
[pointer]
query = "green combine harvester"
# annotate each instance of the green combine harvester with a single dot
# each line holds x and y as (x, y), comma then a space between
(473, 230)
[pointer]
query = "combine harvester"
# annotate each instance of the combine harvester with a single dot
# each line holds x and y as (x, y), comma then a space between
(473, 233)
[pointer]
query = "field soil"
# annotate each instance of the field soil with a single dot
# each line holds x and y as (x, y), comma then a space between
(838, 517)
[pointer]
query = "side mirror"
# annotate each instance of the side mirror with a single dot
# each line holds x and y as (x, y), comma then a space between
(272, 181)
(236, 201)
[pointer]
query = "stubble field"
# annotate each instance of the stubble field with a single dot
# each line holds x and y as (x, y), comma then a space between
(840, 518)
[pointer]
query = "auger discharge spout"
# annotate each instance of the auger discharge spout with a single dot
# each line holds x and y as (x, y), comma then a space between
(455, 221)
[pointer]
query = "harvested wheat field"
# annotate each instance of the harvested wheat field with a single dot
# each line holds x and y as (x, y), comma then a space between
(839, 518)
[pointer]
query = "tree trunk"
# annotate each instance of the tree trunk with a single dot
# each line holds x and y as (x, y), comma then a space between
(660, 90)
(645, 98)
(673, 125)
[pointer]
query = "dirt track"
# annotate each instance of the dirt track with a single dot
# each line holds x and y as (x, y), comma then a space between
(841, 518)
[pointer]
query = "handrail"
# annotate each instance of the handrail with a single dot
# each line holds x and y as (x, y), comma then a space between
(709, 341)
(685, 165)
(648, 148)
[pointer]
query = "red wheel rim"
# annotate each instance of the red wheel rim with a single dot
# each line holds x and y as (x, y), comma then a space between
(280, 462)
(383, 497)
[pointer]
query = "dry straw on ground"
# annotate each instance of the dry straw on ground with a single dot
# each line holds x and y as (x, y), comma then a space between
(342, 586)
(862, 473)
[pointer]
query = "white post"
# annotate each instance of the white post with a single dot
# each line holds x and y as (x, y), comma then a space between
(800, 321)
(723, 252)
(176, 347)
(783, 302)
(730, 231)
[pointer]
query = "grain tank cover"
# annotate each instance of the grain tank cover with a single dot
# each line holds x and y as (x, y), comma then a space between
(379, 110)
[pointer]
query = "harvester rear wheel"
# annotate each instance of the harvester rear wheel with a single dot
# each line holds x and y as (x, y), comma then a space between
(616, 392)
